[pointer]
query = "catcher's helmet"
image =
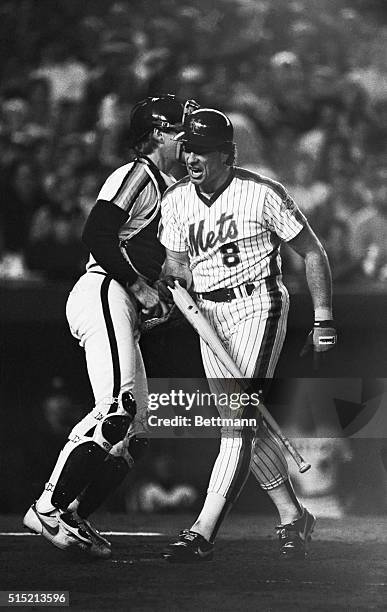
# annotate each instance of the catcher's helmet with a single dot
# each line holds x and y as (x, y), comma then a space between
(164, 112)
(206, 129)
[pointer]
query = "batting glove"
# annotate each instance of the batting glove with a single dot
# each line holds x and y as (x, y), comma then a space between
(163, 285)
(321, 338)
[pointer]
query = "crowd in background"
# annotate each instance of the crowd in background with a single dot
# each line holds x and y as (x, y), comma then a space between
(304, 82)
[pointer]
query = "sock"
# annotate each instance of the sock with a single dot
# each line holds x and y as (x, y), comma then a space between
(286, 502)
(213, 511)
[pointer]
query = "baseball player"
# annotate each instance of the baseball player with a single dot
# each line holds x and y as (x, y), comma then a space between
(103, 313)
(222, 227)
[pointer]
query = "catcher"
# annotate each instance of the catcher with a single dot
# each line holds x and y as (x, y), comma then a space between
(103, 312)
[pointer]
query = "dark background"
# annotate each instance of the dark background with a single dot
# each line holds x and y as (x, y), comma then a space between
(40, 360)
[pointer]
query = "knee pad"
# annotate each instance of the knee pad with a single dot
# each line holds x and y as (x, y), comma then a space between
(114, 426)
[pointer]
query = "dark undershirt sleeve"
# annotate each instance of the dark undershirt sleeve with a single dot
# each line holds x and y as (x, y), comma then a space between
(101, 237)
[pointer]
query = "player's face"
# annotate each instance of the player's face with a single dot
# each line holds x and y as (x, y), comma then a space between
(170, 145)
(169, 138)
(206, 170)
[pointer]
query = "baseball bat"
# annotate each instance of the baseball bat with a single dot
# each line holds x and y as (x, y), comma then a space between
(190, 310)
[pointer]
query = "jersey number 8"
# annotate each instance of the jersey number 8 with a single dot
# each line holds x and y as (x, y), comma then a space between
(230, 254)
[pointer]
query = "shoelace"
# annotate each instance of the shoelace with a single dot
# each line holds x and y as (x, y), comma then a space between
(285, 530)
(189, 535)
(293, 526)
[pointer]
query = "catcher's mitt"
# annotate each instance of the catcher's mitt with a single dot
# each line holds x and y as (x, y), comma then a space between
(147, 324)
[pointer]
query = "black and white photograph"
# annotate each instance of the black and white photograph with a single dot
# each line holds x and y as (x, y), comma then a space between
(193, 298)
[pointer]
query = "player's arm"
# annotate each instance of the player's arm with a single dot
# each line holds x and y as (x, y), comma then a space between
(100, 234)
(176, 267)
(283, 216)
(318, 275)
(101, 237)
(317, 270)
(172, 236)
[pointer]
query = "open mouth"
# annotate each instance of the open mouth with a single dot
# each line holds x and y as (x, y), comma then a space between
(195, 173)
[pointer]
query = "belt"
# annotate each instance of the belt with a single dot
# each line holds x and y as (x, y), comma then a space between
(228, 294)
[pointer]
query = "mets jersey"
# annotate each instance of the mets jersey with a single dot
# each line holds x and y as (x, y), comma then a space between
(233, 236)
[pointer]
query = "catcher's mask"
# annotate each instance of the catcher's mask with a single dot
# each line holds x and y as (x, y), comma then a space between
(164, 112)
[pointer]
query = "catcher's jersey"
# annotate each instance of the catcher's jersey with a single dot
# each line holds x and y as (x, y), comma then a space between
(232, 237)
(136, 188)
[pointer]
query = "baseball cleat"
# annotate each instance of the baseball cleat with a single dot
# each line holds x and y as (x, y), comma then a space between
(191, 547)
(81, 529)
(294, 538)
(100, 546)
(49, 526)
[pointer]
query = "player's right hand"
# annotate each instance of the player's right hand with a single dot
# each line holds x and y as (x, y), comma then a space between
(146, 295)
(163, 285)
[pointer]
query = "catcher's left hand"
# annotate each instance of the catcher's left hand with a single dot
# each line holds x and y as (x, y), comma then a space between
(152, 320)
(321, 338)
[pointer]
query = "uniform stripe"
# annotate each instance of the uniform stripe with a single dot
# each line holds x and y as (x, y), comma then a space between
(243, 467)
(141, 187)
(233, 239)
(241, 472)
(162, 185)
(137, 188)
(123, 183)
(225, 510)
(220, 464)
(132, 189)
(269, 335)
(227, 465)
(133, 183)
(261, 180)
(269, 464)
(249, 217)
(274, 315)
(112, 337)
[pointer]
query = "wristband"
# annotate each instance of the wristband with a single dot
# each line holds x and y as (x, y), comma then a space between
(323, 314)
(327, 323)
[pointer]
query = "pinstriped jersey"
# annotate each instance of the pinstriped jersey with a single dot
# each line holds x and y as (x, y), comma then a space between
(232, 237)
(136, 188)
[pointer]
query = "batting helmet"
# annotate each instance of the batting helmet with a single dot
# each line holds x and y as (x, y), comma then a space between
(206, 129)
(163, 112)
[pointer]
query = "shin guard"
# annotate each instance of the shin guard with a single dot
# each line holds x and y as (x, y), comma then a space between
(110, 475)
(81, 465)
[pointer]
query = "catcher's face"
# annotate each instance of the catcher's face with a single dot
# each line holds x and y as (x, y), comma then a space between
(207, 170)
(170, 145)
